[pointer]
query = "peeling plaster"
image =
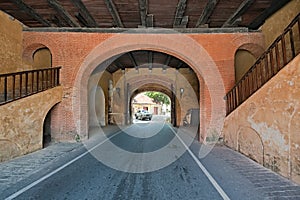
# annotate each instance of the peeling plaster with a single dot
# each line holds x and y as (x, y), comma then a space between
(269, 135)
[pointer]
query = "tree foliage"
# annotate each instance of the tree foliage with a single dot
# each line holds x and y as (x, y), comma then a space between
(158, 97)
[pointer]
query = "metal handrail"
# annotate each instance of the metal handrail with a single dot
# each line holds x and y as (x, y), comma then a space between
(16, 85)
(281, 51)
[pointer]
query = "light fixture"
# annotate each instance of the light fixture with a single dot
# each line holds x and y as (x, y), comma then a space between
(181, 92)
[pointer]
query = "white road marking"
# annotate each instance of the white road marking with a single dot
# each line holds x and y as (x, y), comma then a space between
(204, 170)
(16, 194)
(210, 178)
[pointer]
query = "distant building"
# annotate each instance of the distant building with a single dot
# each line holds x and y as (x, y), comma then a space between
(142, 101)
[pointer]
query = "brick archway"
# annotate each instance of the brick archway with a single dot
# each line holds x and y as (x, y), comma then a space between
(33, 43)
(155, 83)
(255, 49)
(177, 45)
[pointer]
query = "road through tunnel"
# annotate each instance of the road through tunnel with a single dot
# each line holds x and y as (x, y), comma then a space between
(112, 88)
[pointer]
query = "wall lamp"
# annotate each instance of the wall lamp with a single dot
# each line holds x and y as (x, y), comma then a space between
(164, 69)
(150, 69)
(181, 92)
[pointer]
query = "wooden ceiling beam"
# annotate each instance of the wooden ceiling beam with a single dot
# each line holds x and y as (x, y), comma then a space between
(132, 59)
(63, 13)
(260, 20)
(119, 65)
(150, 20)
(150, 59)
(83, 11)
(206, 13)
(30, 11)
(58, 22)
(180, 63)
(231, 21)
(114, 13)
(138, 31)
(143, 6)
(180, 9)
(81, 19)
(168, 60)
(184, 22)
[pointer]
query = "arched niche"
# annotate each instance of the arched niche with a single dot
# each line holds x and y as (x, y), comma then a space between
(42, 58)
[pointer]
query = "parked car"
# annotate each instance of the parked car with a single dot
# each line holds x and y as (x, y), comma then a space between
(143, 114)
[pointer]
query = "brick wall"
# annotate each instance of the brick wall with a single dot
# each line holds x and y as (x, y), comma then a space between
(211, 56)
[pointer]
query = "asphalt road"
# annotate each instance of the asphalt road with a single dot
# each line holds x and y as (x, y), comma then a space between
(148, 160)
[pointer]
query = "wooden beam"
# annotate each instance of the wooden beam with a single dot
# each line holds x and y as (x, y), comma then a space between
(83, 11)
(30, 11)
(149, 20)
(167, 62)
(180, 63)
(206, 13)
(63, 13)
(58, 22)
(260, 20)
(184, 22)
(139, 31)
(180, 9)
(114, 13)
(81, 19)
(245, 5)
(143, 5)
(150, 59)
(132, 59)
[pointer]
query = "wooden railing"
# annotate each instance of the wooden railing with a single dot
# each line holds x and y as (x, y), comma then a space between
(282, 51)
(18, 85)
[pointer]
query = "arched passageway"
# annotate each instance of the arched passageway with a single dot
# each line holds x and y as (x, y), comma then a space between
(103, 55)
(123, 83)
(168, 110)
(211, 56)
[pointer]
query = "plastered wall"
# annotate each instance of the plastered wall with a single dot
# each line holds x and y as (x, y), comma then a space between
(42, 59)
(11, 44)
(242, 62)
(104, 84)
(21, 123)
(266, 126)
(271, 29)
(275, 24)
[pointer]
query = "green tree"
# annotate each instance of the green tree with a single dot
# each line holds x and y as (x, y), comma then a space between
(158, 97)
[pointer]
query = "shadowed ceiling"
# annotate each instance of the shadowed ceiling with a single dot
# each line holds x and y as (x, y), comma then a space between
(141, 13)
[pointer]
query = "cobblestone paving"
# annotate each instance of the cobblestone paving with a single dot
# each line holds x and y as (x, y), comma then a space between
(267, 182)
(20, 168)
(271, 185)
